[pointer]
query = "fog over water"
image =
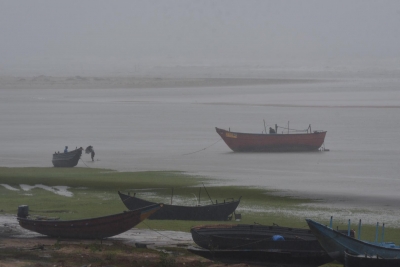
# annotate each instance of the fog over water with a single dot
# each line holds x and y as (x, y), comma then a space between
(135, 129)
(47, 37)
(147, 82)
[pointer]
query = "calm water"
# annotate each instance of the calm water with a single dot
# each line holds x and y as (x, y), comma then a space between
(153, 129)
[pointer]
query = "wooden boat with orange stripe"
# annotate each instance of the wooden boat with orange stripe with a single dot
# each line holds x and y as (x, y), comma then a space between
(273, 141)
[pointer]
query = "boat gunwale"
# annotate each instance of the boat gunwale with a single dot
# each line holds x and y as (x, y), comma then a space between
(354, 239)
(273, 134)
(116, 215)
(181, 206)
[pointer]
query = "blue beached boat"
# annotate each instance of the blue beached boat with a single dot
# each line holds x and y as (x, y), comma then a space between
(336, 243)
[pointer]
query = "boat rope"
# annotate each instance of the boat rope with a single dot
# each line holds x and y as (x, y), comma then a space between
(208, 194)
(159, 232)
(201, 149)
(84, 162)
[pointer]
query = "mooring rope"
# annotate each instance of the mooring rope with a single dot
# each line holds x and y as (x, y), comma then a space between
(201, 149)
(84, 162)
(160, 233)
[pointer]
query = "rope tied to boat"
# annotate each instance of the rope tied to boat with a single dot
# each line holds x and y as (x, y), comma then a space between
(159, 232)
(84, 162)
(201, 149)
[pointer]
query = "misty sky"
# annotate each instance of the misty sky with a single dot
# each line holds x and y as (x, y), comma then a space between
(93, 34)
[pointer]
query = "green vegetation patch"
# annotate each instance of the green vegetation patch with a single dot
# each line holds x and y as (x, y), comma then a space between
(95, 194)
(95, 178)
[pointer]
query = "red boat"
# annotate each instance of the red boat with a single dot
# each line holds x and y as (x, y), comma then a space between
(272, 142)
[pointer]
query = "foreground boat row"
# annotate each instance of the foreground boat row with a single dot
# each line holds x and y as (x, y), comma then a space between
(232, 243)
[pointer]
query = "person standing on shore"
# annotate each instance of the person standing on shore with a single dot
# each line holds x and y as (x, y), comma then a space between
(90, 150)
(66, 149)
(92, 154)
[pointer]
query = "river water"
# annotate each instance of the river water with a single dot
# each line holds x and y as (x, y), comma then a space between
(137, 129)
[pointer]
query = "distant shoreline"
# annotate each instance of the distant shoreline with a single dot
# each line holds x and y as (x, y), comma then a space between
(78, 82)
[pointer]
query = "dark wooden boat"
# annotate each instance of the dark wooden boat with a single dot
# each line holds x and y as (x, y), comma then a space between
(250, 142)
(264, 256)
(251, 235)
(337, 243)
(213, 212)
(69, 159)
(93, 228)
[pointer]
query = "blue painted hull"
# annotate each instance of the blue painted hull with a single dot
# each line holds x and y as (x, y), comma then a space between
(336, 243)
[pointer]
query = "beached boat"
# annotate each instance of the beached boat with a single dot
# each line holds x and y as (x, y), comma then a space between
(264, 256)
(273, 142)
(93, 228)
(336, 243)
(213, 212)
(351, 260)
(69, 159)
(245, 235)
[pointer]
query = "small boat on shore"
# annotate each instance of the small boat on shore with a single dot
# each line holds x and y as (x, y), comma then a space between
(273, 142)
(93, 228)
(351, 260)
(264, 256)
(213, 212)
(69, 159)
(336, 244)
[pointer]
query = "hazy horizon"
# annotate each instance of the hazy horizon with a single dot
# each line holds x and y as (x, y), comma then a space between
(100, 37)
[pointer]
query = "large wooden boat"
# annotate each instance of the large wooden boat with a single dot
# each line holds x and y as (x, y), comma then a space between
(245, 235)
(213, 212)
(336, 243)
(93, 228)
(274, 142)
(265, 256)
(69, 159)
(351, 260)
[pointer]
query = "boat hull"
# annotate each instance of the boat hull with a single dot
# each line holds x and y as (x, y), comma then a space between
(369, 261)
(65, 160)
(93, 228)
(248, 142)
(263, 256)
(214, 212)
(336, 243)
(223, 242)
